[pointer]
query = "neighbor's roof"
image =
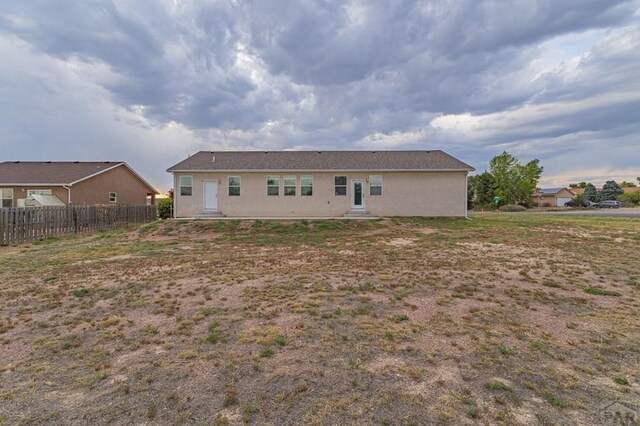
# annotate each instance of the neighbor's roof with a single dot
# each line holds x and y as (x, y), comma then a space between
(320, 160)
(56, 172)
(550, 191)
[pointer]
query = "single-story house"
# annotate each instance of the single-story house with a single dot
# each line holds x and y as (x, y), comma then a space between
(552, 197)
(320, 184)
(77, 182)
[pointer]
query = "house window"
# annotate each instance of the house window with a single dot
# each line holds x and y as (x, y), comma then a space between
(306, 185)
(234, 186)
(113, 197)
(340, 184)
(31, 192)
(273, 185)
(186, 185)
(375, 185)
(6, 197)
(289, 185)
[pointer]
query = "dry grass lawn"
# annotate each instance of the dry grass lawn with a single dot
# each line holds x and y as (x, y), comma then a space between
(505, 319)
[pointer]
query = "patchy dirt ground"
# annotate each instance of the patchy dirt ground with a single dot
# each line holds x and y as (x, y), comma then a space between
(502, 319)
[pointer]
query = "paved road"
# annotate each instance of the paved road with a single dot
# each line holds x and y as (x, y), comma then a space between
(623, 212)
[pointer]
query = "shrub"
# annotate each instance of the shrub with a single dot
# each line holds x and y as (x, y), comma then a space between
(400, 318)
(512, 208)
(596, 291)
(497, 385)
(630, 198)
(213, 337)
(165, 208)
(621, 380)
(555, 400)
(80, 292)
(267, 352)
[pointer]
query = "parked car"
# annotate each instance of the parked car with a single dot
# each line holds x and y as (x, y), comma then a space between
(585, 203)
(609, 204)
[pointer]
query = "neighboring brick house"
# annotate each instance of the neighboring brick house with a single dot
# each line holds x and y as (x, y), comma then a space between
(77, 182)
(320, 184)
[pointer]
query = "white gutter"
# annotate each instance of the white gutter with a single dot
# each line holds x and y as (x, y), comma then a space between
(32, 184)
(175, 197)
(68, 194)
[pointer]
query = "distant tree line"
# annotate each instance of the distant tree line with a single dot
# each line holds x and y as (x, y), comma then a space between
(508, 181)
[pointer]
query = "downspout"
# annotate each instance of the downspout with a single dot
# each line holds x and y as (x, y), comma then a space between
(175, 197)
(466, 195)
(68, 194)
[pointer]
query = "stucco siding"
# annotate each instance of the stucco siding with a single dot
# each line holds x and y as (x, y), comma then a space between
(120, 180)
(403, 194)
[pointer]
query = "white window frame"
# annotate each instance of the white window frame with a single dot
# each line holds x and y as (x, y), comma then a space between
(113, 197)
(229, 186)
(277, 185)
(185, 186)
(346, 185)
(303, 177)
(375, 186)
(31, 192)
(285, 186)
(2, 197)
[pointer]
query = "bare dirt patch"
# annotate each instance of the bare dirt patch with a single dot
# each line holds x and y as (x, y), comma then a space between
(397, 321)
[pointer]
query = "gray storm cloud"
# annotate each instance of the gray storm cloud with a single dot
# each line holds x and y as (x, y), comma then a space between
(151, 82)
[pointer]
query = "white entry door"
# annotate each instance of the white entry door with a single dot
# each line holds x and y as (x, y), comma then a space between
(211, 195)
(357, 194)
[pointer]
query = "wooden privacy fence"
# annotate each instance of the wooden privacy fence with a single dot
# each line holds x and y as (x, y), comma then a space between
(20, 225)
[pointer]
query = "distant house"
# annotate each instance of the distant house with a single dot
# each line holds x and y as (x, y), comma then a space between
(320, 184)
(552, 197)
(77, 183)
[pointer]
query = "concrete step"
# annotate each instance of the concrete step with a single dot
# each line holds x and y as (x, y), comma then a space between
(358, 214)
(205, 214)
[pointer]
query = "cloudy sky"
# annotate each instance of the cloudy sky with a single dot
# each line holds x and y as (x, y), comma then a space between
(150, 82)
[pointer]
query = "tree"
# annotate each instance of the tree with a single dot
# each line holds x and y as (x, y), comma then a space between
(631, 197)
(514, 182)
(579, 200)
(578, 185)
(625, 184)
(482, 189)
(611, 190)
(590, 192)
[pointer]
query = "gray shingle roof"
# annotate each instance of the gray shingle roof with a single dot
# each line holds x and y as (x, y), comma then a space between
(549, 191)
(320, 160)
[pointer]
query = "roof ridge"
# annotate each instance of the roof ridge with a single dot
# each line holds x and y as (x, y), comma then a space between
(322, 160)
